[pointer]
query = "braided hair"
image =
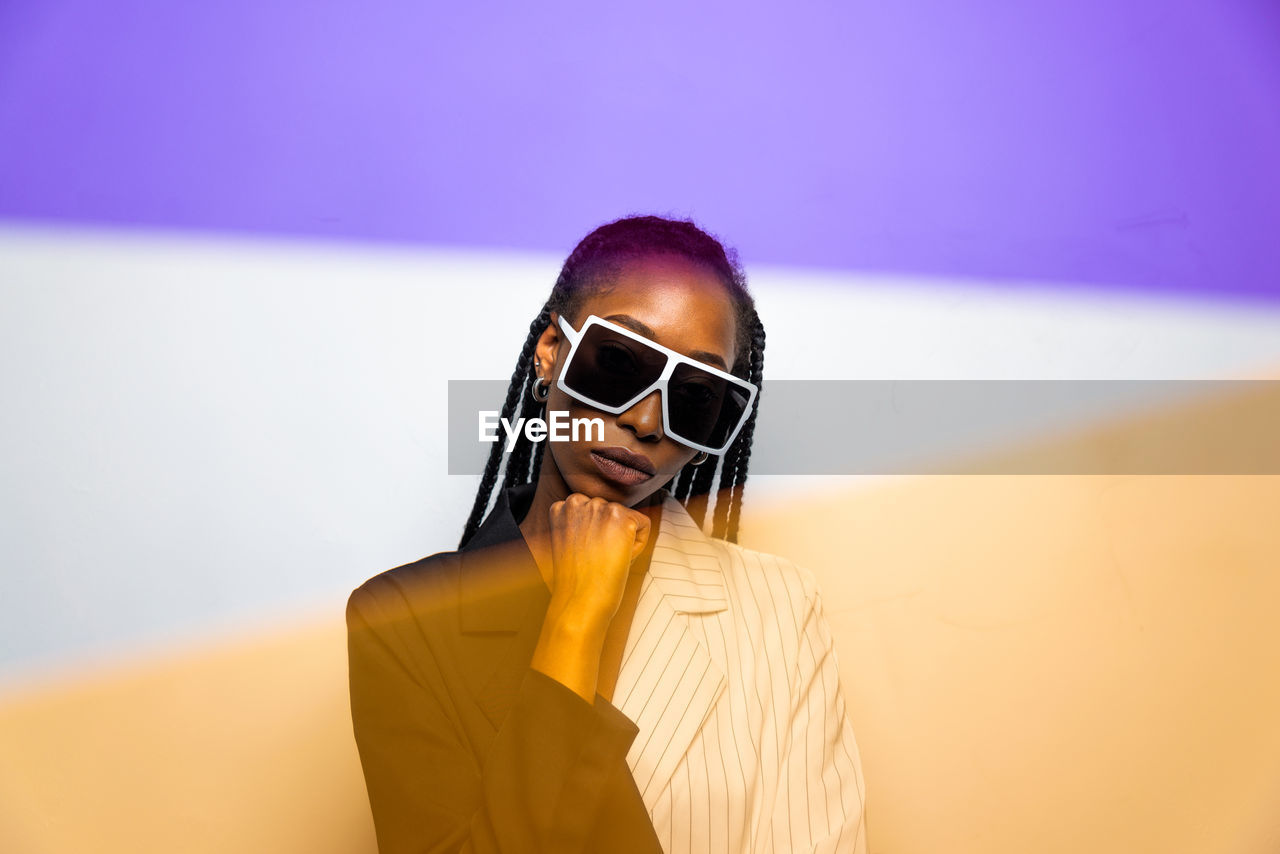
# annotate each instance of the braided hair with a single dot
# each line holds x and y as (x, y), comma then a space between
(598, 257)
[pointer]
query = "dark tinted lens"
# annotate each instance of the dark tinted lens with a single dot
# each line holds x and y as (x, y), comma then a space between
(612, 368)
(704, 408)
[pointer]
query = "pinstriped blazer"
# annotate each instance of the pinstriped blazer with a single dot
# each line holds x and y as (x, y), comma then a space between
(727, 731)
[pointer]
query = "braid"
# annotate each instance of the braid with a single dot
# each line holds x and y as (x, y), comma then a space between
(598, 258)
(740, 453)
(517, 472)
(684, 480)
(536, 467)
(703, 477)
(519, 379)
(724, 492)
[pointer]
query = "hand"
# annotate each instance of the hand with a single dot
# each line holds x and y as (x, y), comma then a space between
(593, 544)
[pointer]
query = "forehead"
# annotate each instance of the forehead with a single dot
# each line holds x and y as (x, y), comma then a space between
(685, 303)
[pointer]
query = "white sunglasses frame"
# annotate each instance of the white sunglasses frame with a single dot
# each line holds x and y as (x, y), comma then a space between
(674, 358)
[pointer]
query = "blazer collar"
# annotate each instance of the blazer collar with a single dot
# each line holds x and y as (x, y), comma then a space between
(500, 586)
(686, 563)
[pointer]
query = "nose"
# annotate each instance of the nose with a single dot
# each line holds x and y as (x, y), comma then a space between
(644, 419)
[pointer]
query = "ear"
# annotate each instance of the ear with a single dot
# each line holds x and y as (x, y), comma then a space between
(546, 352)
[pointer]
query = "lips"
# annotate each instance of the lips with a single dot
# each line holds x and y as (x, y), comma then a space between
(622, 467)
(627, 458)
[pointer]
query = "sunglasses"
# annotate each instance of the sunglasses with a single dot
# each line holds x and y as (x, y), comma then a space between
(612, 369)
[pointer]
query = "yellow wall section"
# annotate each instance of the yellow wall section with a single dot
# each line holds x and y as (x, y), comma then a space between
(1057, 664)
(245, 748)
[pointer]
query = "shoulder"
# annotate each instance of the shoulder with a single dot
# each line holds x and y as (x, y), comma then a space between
(429, 583)
(768, 592)
(774, 609)
(774, 573)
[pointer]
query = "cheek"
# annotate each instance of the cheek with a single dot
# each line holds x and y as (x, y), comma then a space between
(676, 457)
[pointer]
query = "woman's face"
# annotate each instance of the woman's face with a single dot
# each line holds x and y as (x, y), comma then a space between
(670, 300)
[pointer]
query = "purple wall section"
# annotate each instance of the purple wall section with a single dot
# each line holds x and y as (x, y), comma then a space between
(1125, 144)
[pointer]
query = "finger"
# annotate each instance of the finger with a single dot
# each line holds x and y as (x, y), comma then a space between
(641, 537)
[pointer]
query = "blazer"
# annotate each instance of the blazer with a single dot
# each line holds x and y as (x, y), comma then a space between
(727, 733)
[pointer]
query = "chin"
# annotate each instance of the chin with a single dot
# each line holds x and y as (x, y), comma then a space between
(622, 494)
(596, 486)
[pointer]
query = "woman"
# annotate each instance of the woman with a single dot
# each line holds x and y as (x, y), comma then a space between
(589, 671)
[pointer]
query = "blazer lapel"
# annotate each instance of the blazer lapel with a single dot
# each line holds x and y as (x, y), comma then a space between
(669, 682)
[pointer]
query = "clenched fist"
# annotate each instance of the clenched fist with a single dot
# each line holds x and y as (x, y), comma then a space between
(593, 544)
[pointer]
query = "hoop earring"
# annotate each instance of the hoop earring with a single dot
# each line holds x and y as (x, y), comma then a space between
(539, 382)
(697, 462)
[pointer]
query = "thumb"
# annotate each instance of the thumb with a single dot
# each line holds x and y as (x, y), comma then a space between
(642, 536)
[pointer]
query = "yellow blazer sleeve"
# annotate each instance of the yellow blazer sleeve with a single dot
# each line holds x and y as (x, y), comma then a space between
(544, 786)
